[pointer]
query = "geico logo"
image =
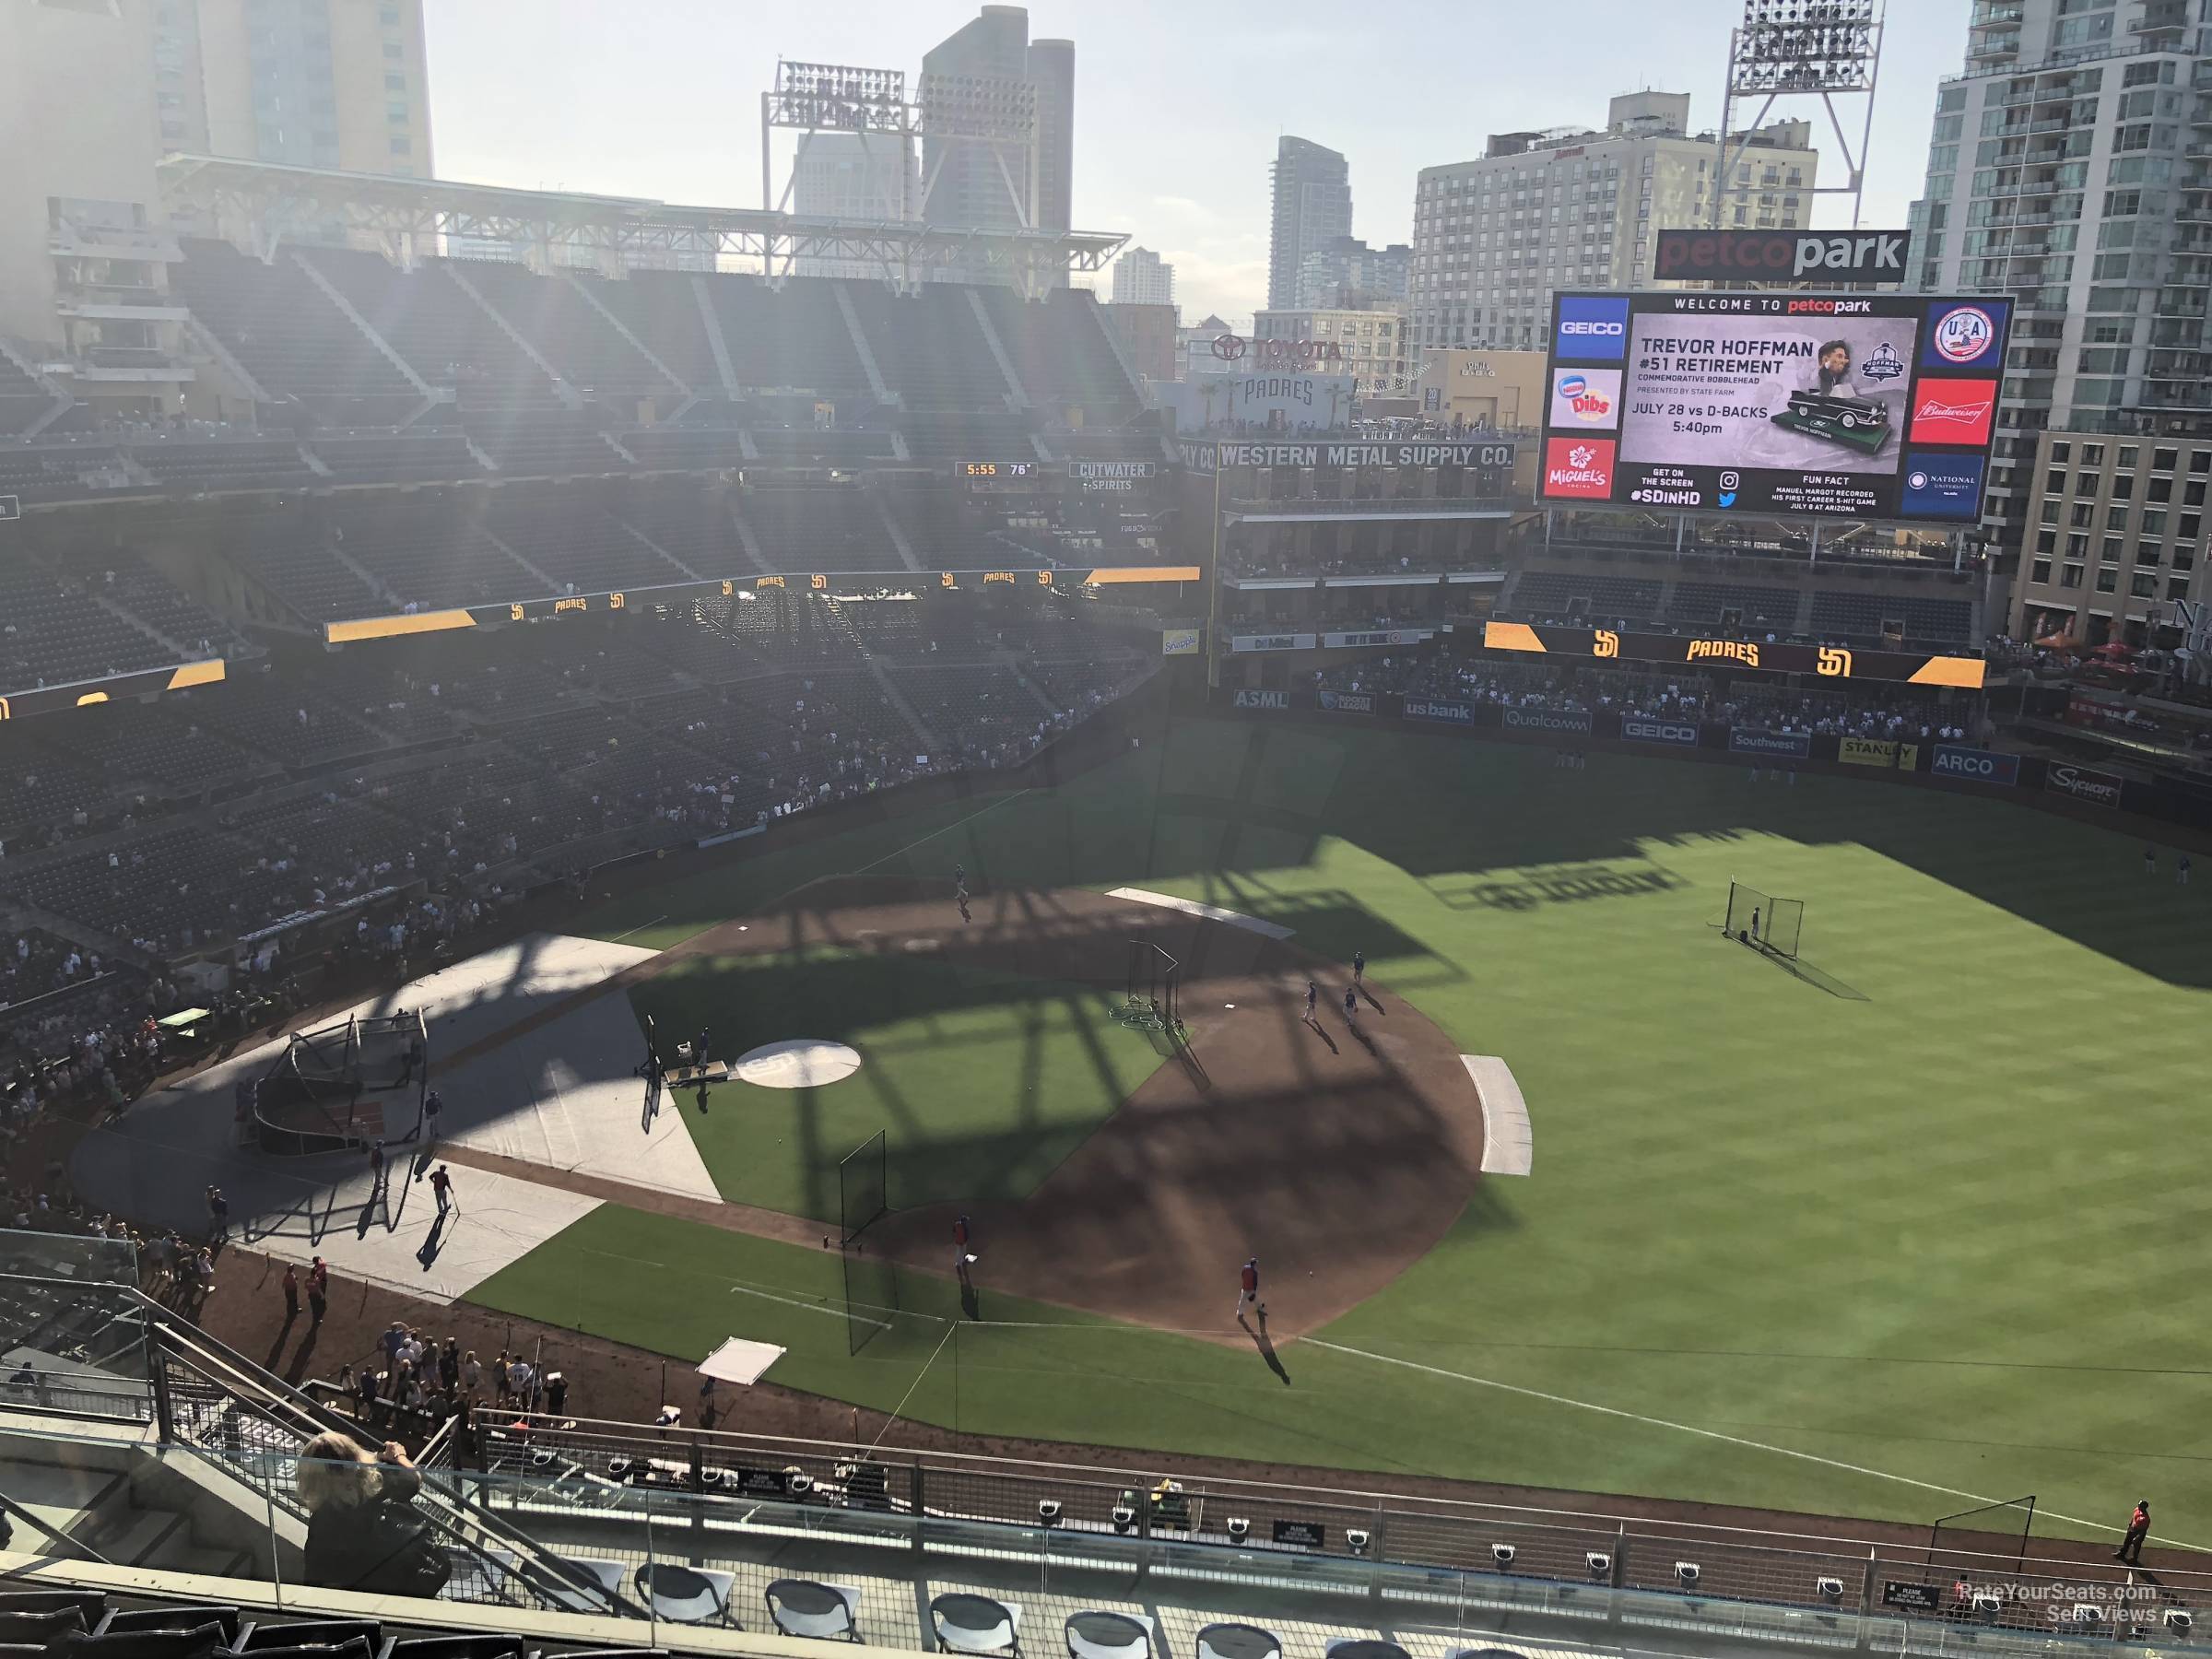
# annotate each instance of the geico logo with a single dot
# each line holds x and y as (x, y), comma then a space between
(1591, 328)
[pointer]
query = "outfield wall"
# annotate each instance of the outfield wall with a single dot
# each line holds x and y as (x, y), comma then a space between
(2055, 784)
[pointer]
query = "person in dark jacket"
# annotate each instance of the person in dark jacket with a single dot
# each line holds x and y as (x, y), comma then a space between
(362, 1530)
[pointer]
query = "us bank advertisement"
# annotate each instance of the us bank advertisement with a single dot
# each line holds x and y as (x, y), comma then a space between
(1821, 405)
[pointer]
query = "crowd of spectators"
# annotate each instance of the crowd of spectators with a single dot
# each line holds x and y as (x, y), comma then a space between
(535, 768)
(415, 1382)
(1444, 671)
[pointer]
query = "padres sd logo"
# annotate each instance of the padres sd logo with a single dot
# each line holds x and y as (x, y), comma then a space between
(514, 613)
(1607, 643)
(1835, 661)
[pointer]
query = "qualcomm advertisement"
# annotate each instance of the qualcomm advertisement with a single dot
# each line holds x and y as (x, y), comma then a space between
(1877, 405)
(1547, 720)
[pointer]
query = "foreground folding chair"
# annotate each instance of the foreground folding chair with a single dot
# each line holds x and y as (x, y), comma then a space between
(822, 1612)
(975, 1624)
(686, 1594)
(1364, 1647)
(1097, 1634)
(1238, 1641)
(591, 1570)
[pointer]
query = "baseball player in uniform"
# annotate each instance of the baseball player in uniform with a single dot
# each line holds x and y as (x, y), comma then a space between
(962, 1258)
(1351, 1007)
(1358, 965)
(1248, 1288)
(1312, 1000)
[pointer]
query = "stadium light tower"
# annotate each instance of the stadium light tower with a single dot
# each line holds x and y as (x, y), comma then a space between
(1824, 49)
(961, 114)
(840, 98)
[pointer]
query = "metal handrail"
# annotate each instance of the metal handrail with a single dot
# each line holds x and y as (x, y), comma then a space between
(9, 1506)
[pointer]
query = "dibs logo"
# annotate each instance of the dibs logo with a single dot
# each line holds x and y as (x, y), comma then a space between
(1586, 397)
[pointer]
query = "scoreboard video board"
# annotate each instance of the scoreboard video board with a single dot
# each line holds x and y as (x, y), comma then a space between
(1782, 404)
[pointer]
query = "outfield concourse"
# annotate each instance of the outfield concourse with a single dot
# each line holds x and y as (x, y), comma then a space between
(1918, 1226)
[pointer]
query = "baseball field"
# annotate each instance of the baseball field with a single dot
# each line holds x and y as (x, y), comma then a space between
(1915, 1225)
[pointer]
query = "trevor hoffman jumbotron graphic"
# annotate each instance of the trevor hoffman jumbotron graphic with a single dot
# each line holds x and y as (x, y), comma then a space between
(1844, 405)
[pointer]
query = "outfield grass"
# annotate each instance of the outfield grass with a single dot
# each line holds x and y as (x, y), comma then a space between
(1933, 1214)
(983, 1081)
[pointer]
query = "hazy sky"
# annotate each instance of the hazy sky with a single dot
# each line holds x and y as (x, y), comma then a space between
(1178, 106)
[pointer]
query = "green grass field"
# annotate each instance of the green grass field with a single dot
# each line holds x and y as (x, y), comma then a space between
(982, 1081)
(1920, 1226)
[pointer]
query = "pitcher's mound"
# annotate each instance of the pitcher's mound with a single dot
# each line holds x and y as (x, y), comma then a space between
(801, 1062)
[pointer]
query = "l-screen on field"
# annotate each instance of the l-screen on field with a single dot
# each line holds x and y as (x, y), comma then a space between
(1914, 1222)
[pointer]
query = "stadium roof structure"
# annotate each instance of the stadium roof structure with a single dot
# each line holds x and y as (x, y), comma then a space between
(260, 205)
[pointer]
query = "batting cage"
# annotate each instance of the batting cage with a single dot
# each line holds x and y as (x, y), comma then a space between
(340, 1086)
(1152, 992)
(863, 1187)
(1761, 919)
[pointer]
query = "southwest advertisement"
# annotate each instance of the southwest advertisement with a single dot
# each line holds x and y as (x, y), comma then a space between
(1865, 407)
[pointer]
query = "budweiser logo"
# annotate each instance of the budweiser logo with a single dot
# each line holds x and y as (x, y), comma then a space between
(1935, 409)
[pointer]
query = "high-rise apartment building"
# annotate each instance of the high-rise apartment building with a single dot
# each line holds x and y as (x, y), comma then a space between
(1142, 277)
(1346, 272)
(980, 66)
(1493, 238)
(2067, 168)
(336, 83)
(1312, 208)
(849, 176)
(91, 96)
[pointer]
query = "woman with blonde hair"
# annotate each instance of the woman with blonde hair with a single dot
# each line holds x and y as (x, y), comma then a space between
(362, 1531)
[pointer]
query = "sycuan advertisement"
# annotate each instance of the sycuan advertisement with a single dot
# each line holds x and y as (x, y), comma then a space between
(1868, 406)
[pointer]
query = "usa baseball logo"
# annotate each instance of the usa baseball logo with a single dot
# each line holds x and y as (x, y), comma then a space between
(1964, 334)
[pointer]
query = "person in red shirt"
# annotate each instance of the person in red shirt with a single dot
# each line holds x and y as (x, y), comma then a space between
(962, 1258)
(2138, 1528)
(1248, 1289)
